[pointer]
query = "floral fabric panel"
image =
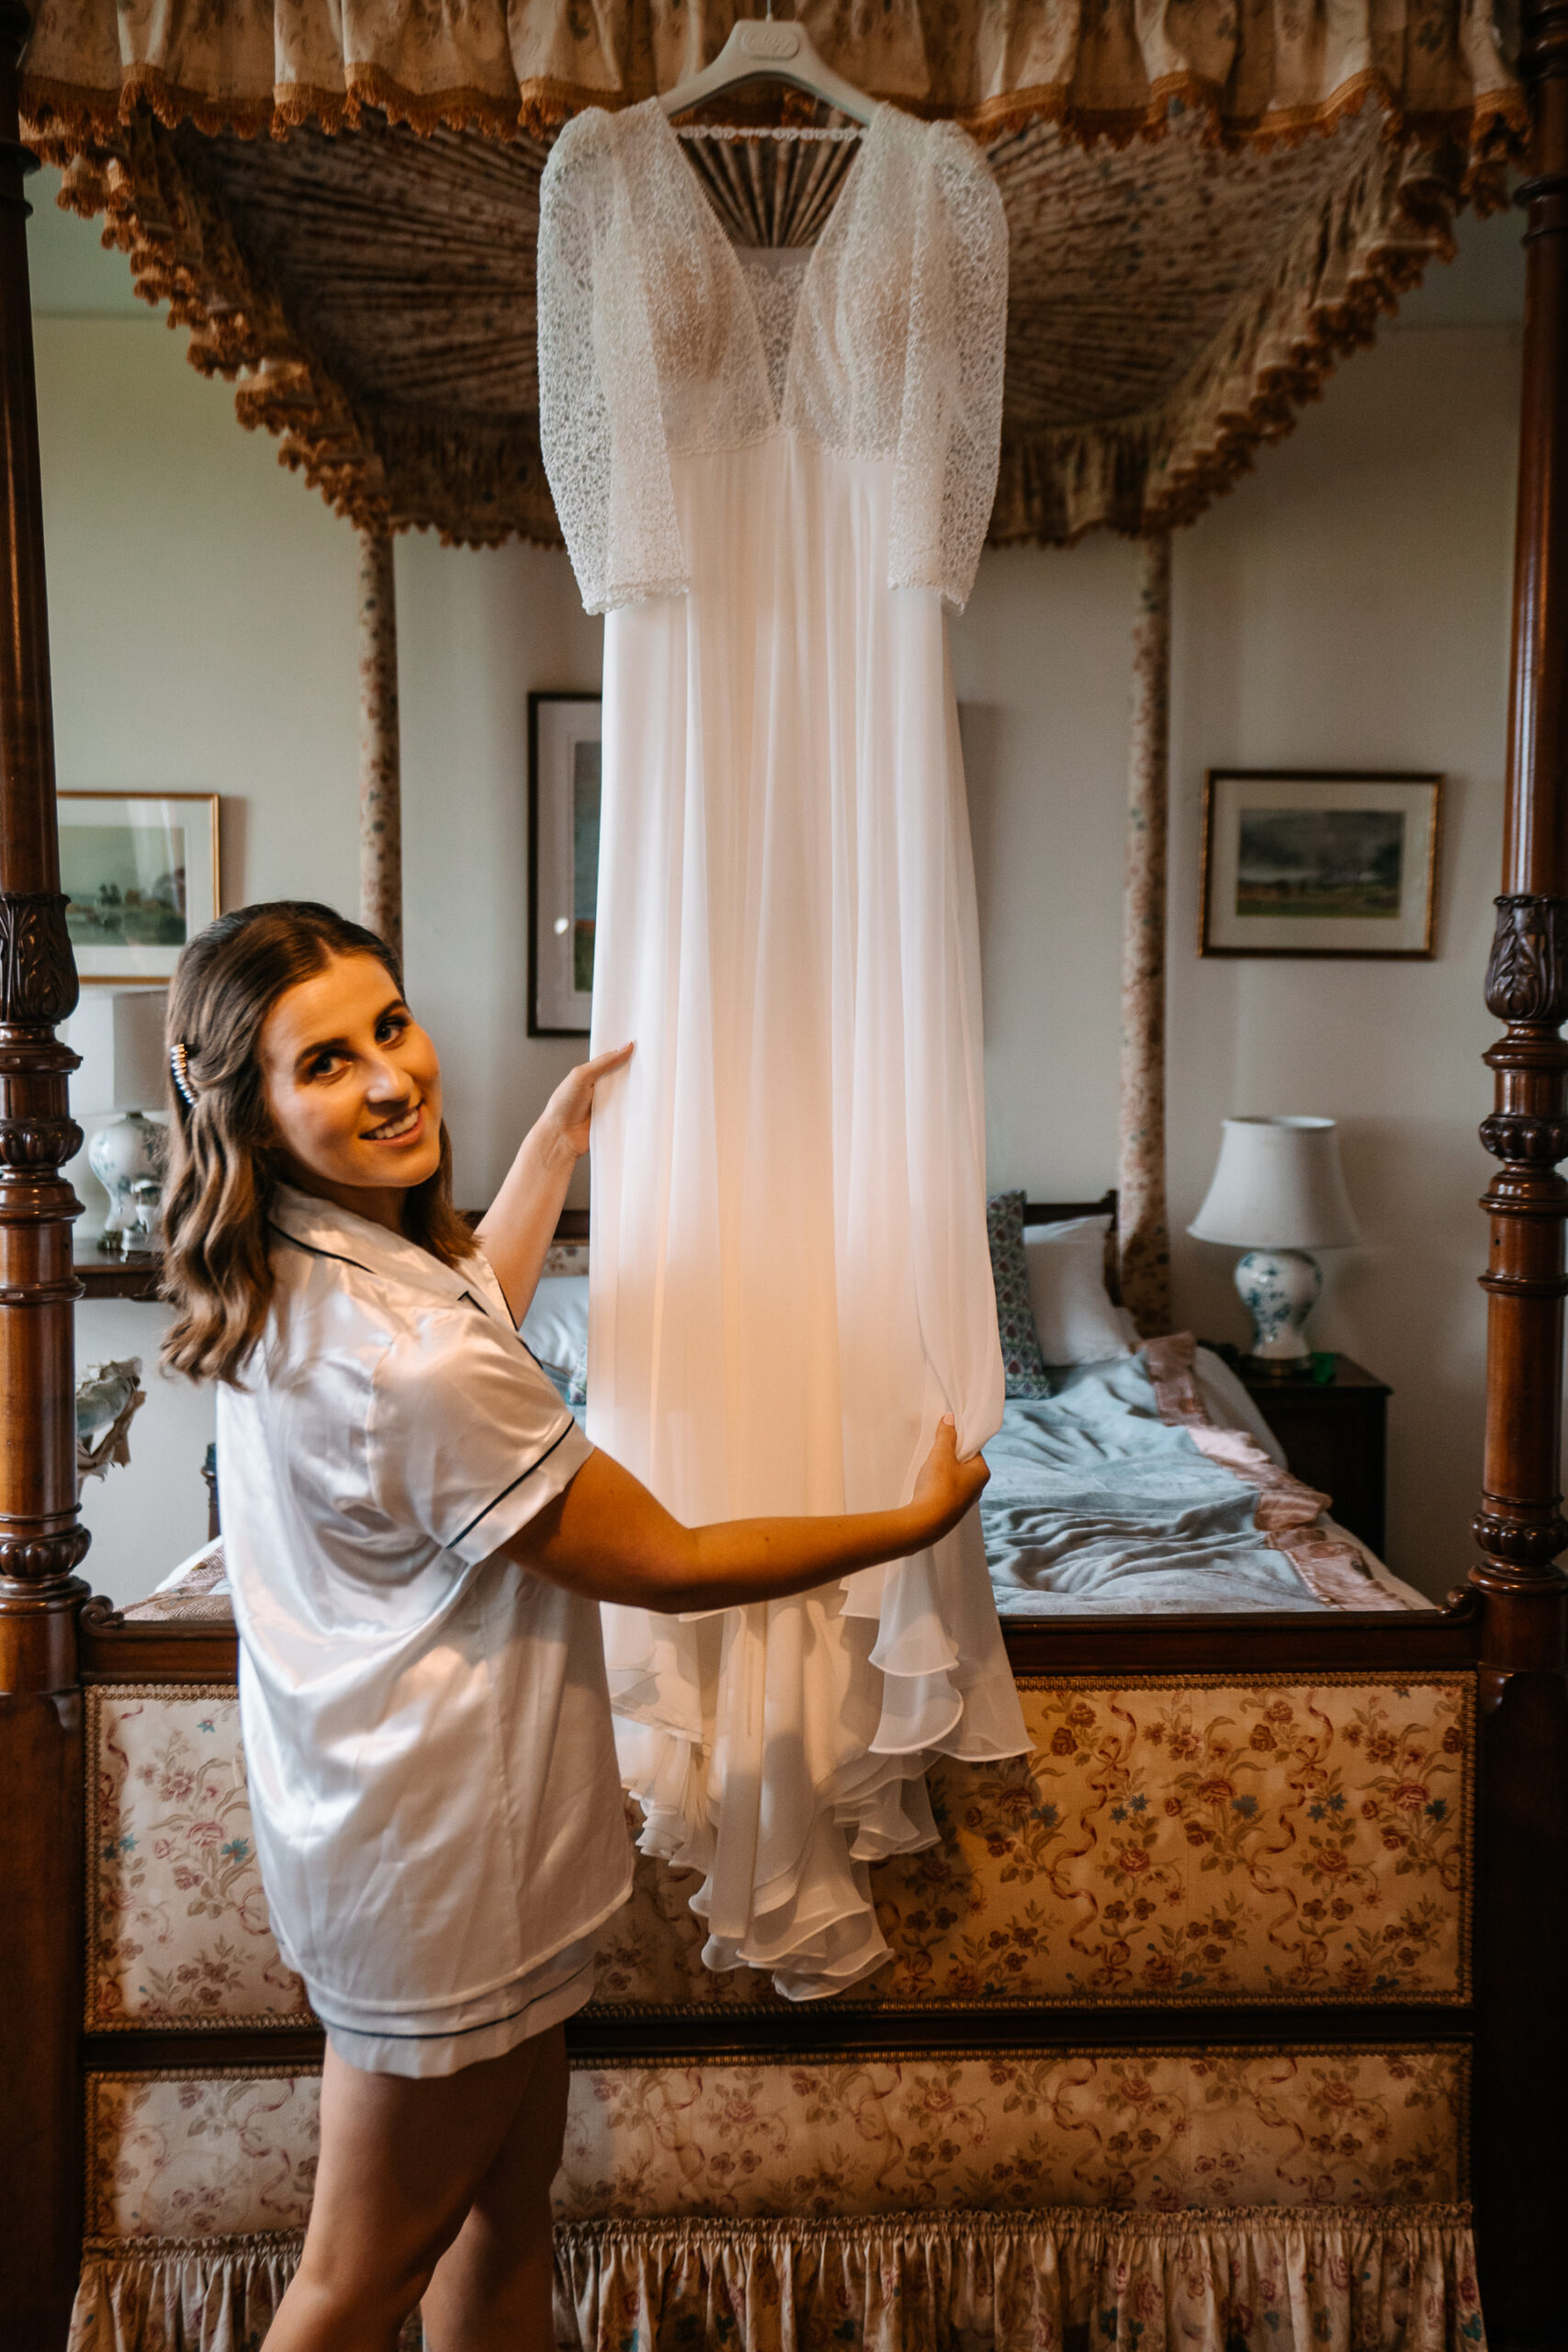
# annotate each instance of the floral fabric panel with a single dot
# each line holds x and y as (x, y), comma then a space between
(1006, 2131)
(180, 2156)
(1176, 1841)
(1250, 2282)
(1268, 68)
(177, 1932)
(1022, 1360)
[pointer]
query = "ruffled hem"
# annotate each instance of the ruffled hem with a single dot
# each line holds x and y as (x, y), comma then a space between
(781, 1750)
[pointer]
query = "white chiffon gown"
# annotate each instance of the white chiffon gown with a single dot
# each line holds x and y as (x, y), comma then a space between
(773, 471)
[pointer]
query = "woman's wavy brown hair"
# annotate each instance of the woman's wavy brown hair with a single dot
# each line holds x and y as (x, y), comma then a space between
(224, 1165)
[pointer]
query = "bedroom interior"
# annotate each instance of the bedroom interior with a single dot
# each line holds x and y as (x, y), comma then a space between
(1251, 644)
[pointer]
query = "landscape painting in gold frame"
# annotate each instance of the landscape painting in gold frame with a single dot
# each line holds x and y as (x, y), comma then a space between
(1339, 863)
(139, 873)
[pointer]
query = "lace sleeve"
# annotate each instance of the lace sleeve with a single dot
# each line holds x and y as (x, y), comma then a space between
(600, 426)
(950, 430)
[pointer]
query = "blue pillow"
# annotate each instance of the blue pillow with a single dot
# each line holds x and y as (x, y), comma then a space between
(1022, 1359)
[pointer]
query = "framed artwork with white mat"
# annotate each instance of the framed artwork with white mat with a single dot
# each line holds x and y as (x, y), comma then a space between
(139, 873)
(1319, 864)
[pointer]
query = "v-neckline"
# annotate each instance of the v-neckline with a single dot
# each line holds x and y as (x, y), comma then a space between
(739, 285)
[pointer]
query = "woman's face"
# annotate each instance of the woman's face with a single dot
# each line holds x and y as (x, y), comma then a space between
(353, 1087)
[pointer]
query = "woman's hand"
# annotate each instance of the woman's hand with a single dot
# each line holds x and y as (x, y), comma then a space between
(568, 1114)
(606, 1538)
(520, 1223)
(945, 1487)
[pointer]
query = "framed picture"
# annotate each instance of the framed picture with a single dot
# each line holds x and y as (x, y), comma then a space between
(139, 873)
(1339, 863)
(563, 861)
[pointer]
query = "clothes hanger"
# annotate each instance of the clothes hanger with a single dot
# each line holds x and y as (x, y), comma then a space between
(760, 49)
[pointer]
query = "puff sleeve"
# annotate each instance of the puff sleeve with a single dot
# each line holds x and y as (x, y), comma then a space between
(600, 426)
(465, 1439)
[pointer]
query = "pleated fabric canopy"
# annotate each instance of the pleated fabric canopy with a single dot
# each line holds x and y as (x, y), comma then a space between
(1209, 200)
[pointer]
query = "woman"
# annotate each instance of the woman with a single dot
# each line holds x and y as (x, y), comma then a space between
(416, 1533)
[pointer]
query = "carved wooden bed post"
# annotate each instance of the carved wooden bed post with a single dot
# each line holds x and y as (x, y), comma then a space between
(41, 1539)
(1520, 2172)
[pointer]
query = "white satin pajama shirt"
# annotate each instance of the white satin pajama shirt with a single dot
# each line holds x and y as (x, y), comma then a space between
(438, 1811)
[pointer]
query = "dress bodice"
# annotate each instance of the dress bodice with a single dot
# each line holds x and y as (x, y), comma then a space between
(656, 340)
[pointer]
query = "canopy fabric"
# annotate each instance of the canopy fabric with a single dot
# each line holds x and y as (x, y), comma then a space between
(372, 295)
(1262, 71)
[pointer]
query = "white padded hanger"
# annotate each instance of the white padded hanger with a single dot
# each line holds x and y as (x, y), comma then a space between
(759, 49)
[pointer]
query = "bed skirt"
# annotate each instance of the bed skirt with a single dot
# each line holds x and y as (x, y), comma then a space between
(1247, 2278)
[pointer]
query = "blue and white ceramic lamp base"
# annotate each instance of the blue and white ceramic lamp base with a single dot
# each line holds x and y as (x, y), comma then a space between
(1278, 1288)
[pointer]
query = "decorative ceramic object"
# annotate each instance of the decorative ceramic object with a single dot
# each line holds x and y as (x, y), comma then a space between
(1278, 1288)
(123, 1156)
(1278, 1192)
(119, 1035)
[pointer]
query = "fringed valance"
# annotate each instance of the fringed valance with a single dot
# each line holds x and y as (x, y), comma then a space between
(372, 297)
(1268, 71)
(1247, 2280)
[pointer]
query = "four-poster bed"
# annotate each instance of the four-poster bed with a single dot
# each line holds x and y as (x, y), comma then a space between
(240, 237)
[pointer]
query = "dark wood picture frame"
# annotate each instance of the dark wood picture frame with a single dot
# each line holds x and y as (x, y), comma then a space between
(537, 698)
(1418, 780)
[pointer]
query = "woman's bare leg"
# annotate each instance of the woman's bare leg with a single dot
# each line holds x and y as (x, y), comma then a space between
(491, 2291)
(401, 2163)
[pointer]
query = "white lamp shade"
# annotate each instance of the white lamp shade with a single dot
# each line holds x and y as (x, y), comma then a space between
(1278, 1185)
(119, 1034)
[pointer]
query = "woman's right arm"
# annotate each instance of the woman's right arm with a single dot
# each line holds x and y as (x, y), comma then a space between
(605, 1537)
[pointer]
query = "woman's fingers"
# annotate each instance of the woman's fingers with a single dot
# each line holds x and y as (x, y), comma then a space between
(593, 1070)
(946, 1487)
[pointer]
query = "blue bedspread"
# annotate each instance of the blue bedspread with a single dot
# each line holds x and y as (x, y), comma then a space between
(1095, 1504)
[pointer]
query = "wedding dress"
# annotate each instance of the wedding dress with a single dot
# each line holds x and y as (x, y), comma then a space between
(774, 470)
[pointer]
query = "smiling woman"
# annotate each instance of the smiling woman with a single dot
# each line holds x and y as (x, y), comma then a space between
(354, 1089)
(252, 990)
(416, 1532)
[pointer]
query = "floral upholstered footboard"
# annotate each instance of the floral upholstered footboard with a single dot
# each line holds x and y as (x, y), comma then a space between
(963, 2154)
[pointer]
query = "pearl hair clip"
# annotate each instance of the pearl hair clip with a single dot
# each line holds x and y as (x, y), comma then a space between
(180, 1071)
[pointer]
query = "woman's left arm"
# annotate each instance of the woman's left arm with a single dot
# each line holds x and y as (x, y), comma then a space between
(520, 1224)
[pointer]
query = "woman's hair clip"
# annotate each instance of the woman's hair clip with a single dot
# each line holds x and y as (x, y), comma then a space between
(178, 1061)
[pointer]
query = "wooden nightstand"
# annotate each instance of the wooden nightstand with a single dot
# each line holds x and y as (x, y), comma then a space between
(1335, 1434)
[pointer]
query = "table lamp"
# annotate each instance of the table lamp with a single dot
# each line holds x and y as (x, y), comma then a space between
(119, 1034)
(1278, 1192)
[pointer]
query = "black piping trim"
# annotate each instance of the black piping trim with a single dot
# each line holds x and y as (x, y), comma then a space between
(337, 1259)
(454, 1541)
(312, 1252)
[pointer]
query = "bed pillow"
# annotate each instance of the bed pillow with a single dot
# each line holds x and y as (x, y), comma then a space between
(555, 1330)
(1022, 1360)
(1074, 1316)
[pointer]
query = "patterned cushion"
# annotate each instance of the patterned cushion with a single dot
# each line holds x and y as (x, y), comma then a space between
(1170, 1839)
(1022, 1359)
(177, 1927)
(1003, 2131)
(179, 2155)
(197, 2156)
